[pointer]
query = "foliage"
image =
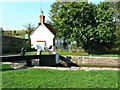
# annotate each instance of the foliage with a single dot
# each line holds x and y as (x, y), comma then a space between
(54, 10)
(106, 26)
(27, 45)
(44, 78)
(30, 28)
(14, 32)
(116, 5)
(91, 26)
(1, 31)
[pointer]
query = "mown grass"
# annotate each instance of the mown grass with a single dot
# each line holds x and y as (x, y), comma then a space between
(107, 55)
(86, 54)
(44, 78)
(6, 67)
(34, 53)
(75, 54)
(72, 54)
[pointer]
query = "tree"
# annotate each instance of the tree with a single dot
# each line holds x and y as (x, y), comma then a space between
(84, 24)
(10, 32)
(1, 31)
(105, 30)
(55, 18)
(14, 32)
(30, 28)
(54, 11)
(89, 25)
(71, 22)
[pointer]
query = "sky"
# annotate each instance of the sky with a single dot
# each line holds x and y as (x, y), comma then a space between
(13, 15)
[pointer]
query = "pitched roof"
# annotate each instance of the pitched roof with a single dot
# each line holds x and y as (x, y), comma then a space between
(50, 27)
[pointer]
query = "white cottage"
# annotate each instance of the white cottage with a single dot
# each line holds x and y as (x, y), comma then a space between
(44, 35)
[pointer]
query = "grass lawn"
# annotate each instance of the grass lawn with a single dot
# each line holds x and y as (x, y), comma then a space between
(34, 53)
(44, 78)
(75, 54)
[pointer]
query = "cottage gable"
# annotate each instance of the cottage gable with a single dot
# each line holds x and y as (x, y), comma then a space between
(49, 27)
(42, 32)
(43, 35)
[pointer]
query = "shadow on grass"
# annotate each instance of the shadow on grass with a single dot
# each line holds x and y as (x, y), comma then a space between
(6, 67)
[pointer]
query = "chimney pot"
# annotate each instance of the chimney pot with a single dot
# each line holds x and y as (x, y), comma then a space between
(42, 18)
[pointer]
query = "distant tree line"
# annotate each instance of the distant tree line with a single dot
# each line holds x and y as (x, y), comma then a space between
(7, 32)
(29, 28)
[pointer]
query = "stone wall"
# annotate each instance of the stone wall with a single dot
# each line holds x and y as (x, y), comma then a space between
(90, 61)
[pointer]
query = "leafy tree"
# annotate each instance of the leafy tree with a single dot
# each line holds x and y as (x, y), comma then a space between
(89, 25)
(14, 32)
(55, 18)
(1, 31)
(30, 28)
(54, 11)
(48, 22)
(84, 24)
(10, 32)
(105, 30)
(71, 22)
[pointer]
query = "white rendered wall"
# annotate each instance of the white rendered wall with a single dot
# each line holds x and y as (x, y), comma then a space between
(42, 33)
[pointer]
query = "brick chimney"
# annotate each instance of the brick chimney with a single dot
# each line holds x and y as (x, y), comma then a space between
(42, 18)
